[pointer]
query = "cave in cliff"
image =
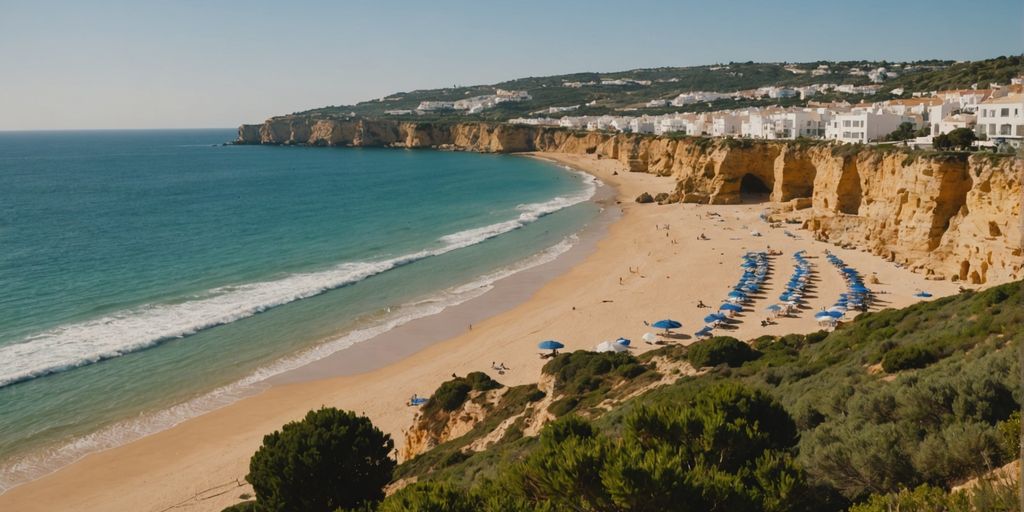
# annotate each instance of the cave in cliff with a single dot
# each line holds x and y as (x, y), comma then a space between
(753, 190)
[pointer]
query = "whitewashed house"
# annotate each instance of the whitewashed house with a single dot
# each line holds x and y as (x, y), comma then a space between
(1002, 119)
(950, 123)
(863, 127)
(725, 124)
(431, 106)
(965, 99)
(671, 125)
(641, 124)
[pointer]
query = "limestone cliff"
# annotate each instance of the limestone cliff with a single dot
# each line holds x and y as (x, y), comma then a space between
(948, 215)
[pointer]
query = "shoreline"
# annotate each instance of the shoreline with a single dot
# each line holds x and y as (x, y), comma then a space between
(197, 464)
(505, 294)
(510, 285)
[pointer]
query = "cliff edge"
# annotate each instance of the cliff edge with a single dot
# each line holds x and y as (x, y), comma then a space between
(953, 216)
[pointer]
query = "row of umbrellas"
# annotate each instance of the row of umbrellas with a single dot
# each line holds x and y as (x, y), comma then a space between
(755, 270)
(857, 295)
(795, 287)
(619, 345)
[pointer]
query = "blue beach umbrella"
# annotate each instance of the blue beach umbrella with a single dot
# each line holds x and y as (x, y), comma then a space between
(774, 307)
(834, 314)
(714, 317)
(550, 345)
(822, 314)
(923, 295)
(623, 341)
(737, 294)
(736, 308)
(666, 324)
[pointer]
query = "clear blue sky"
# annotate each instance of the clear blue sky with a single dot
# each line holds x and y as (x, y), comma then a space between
(121, 64)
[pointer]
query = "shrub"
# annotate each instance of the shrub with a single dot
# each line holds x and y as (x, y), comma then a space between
(719, 350)
(924, 497)
(450, 395)
(331, 459)
(245, 506)
(726, 450)
(582, 371)
(907, 357)
(1009, 436)
(430, 497)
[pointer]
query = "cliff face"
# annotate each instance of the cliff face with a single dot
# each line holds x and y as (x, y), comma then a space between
(954, 217)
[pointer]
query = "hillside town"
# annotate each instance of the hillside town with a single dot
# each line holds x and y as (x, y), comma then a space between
(995, 114)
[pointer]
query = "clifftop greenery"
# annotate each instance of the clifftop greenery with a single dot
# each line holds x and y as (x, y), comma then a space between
(827, 421)
(668, 82)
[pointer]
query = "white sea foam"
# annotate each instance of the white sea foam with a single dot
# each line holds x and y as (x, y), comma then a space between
(41, 462)
(88, 342)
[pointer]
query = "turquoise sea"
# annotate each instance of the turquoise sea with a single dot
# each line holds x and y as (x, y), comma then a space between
(149, 276)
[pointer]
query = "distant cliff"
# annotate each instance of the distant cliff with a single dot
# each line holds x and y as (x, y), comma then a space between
(949, 215)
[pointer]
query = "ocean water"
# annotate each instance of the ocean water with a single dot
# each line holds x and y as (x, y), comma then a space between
(149, 276)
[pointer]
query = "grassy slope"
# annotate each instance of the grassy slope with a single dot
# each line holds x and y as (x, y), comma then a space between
(862, 431)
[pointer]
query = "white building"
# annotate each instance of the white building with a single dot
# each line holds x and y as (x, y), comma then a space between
(642, 124)
(858, 89)
(863, 127)
(724, 123)
(688, 98)
(1002, 118)
(950, 123)
(671, 124)
(880, 75)
(506, 95)
(965, 99)
(535, 121)
(430, 106)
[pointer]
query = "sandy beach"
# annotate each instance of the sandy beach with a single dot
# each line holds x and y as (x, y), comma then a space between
(646, 265)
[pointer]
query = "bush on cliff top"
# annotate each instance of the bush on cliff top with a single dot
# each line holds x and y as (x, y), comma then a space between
(451, 394)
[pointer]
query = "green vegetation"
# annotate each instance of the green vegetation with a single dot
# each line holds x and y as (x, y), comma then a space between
(331, 460)
(584, 378)
(963, 75)
(906, 131)
(720, 350)
(810, 424)
(960, 138)
(668, 82)
(907, 357)
(453, 393)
